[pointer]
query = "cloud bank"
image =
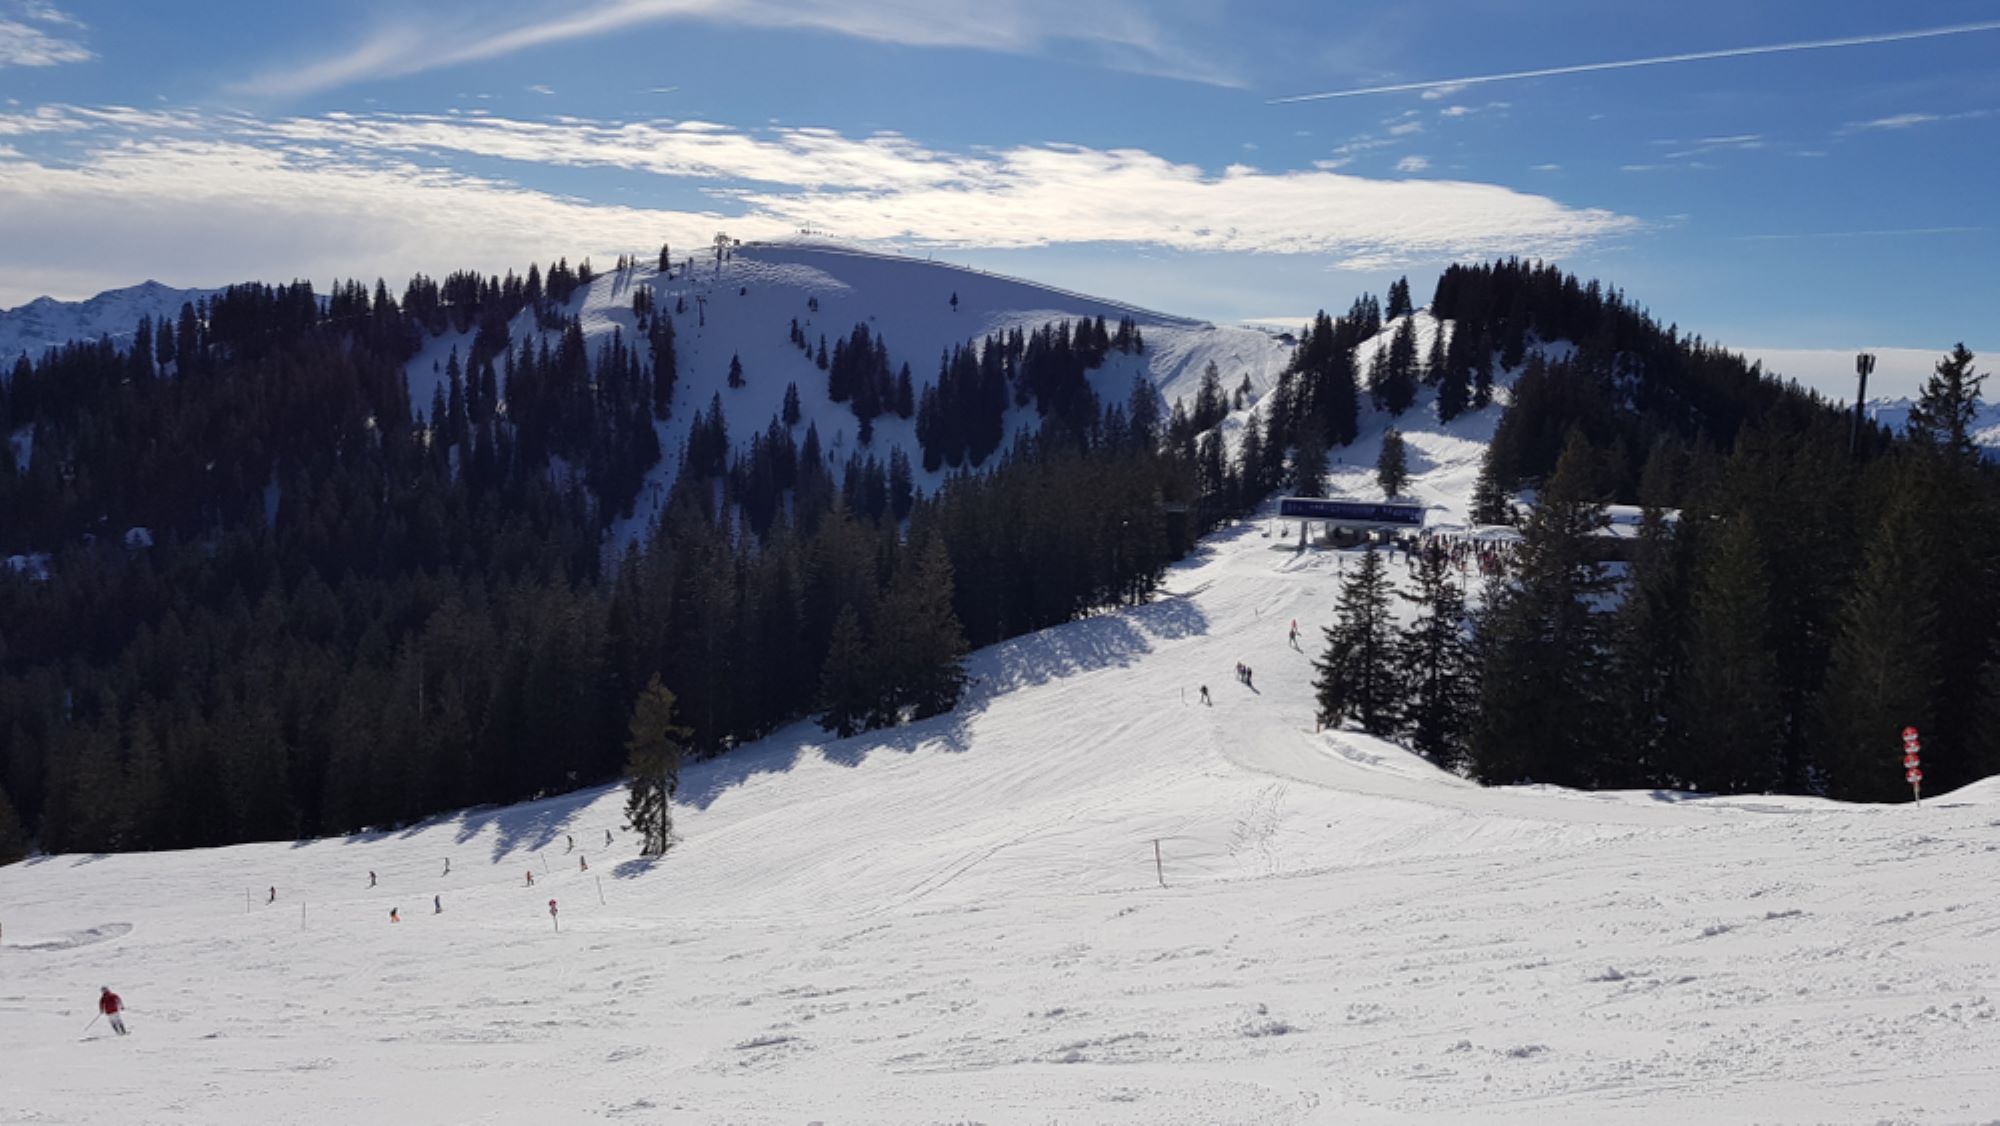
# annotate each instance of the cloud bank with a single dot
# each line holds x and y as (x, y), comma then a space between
(167, 193)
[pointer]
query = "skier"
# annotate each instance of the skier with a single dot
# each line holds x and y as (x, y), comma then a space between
(371, 879)
(531, 877)
(393, 917)
(1206, 702)
(1247, 674)
(583, 865)
(437, 904)
(572, 843)
(1295, 633)
(274, 897)
(109, 1004)
(607, 838)
(447, 865)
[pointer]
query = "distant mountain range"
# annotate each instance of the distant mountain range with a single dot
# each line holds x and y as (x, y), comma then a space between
(45, 322)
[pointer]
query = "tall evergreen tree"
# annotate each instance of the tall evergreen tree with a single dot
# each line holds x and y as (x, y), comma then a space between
(654, 748)
(1884, 674)
(1434, 657)
(1544, 696)
(849, 684)
(1392, 465)
(1946, 412)
(1309, 464)
(1730, 718)
(921, 644)
(1399, 299)
(1358, 674)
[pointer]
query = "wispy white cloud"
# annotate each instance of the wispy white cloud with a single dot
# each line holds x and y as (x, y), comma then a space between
(1896, 121)
(1545, 168)
(361, 195)
(538, 88)
(1406, 128)
(1413, 163)
(1444, 87)
(36, 33)
(1739, 142)
(1124, 34)
(1912, 120)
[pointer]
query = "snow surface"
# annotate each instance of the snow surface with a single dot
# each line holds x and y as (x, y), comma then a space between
(45, 323)
(961, 921)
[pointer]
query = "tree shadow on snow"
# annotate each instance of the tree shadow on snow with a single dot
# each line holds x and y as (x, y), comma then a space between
(531, 827)
(636, 867)
(1111, 640)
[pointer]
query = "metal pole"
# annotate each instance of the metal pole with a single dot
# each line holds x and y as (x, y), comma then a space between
(1158, 870)
(1864, 363)
(600, 891)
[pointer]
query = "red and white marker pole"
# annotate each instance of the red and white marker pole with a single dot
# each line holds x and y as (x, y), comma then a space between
(1913, 764)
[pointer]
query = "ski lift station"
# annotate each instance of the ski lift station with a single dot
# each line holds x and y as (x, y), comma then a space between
(1346, 521)
(1351, 521)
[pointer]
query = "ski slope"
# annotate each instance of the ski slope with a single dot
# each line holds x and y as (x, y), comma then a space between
(962, 920)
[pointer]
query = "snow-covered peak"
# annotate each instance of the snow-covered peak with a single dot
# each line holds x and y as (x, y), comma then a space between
(46, 323)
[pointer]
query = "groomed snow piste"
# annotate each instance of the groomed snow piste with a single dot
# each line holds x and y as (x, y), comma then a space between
(962, 921)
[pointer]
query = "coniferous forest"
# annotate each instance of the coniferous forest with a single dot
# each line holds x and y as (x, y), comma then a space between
(344, 612)
(350, 611)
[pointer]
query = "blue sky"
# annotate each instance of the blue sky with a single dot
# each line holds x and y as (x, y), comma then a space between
(1803, 196)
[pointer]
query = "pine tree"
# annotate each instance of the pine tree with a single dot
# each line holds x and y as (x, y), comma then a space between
(1729, 716)
(1650, 636)
(1949, 407)
(1435, 661)
(790, 411)
(735, 370)
(1885, 667)
(1490, 502)
(1399, 299)
(1435, 365)
(1358, 674)
(1396, 384)
(921, 644)
(1309, 463)
(1544, 691)
(654, 749)
(848, 683)
(1392, 466)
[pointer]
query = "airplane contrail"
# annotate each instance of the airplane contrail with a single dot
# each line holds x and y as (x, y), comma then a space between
(1657, 60)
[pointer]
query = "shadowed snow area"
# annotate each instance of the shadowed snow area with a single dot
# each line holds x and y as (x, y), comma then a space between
(962, 921)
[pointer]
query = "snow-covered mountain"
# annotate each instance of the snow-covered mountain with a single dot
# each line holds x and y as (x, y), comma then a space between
(1082, 896)
(1895, 414)
(744, 307)
(44, 323)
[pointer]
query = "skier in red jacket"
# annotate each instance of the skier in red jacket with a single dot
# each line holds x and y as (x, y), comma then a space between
(109, 1004)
